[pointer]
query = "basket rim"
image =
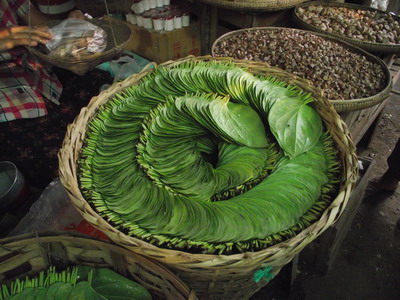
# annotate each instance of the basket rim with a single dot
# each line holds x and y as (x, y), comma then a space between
(254, 5)
(75, 237)
(340, 105)
(369, 46)
(187, 259)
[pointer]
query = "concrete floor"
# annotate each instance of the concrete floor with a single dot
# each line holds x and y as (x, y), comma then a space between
(368, 263)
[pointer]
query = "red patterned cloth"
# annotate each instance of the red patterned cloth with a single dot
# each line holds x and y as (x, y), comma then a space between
(25, 83)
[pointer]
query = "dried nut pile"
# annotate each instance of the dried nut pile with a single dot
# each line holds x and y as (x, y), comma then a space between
(341, 73)
(365, 25)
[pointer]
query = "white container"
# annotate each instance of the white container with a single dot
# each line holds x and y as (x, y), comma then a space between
(137, 7)
(178, 20)
(146, 4)
(169, 23)
(185, 19)
(134, 19)
(167, 2)
(159, 3)
(147, 22)
(158, 22)
(153, 4)
(139, 20)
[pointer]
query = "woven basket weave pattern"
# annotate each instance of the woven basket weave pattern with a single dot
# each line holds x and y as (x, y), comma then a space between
(28, 254)
(214, 276)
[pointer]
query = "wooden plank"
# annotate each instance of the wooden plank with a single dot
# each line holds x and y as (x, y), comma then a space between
(331, 240)
(205, 20)
(213, 27)
(363, 119)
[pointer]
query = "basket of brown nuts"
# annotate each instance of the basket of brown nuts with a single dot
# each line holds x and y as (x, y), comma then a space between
(351, 78)
(254, 5)
(69, 54)
(373, 30)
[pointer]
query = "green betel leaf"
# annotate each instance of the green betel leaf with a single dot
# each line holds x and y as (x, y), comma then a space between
(113, 286)
(84, 291)
(295, 125)
(239, 123)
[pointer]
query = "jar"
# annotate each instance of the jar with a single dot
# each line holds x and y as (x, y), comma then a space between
(139, 20)
(146, 4)
(169, 23)
(178, 19)
(185, 19)
(137, 7)
(158, 21)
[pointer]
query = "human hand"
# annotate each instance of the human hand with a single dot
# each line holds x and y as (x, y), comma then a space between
(11, 37)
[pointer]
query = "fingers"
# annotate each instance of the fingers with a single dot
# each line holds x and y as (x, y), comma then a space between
(8, 44)
(32, 37)
(38, 31)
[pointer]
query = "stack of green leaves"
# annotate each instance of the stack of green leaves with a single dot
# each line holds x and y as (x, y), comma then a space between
(205, 155)
(80, 283)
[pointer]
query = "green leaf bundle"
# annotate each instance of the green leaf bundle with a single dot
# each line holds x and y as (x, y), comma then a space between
(205, 155)
(80, 283)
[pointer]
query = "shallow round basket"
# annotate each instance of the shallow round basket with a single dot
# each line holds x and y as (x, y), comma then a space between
(27, 255)
(340, 105)
(254, 5)
(118, 34)
(368, 46)
(214, 276)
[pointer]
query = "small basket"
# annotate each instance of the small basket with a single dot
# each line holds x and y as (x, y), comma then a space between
(215, 276)
(27, 255)
(368, 46)
(254, 5)
(118, 34)
(340, 105)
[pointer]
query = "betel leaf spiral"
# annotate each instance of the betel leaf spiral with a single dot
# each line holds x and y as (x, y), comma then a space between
(206, 155)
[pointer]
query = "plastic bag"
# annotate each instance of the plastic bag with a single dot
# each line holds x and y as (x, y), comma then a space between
(52, 211)
(76, 38)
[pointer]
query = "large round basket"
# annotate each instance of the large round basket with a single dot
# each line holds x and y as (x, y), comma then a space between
(340, 105)
(27, 255)
(368, 46)
(254, 5)
(215, 276)
(118, 34)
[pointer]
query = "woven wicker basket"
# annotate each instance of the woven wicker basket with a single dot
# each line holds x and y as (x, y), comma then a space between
(368, 46)
(340, 105)
(27, 255)
(254, 5)
(118, 34)
(214, 276)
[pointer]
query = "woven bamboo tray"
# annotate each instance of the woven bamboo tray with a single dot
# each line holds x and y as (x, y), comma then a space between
(118, 34)
(214, 276)
(254, 5)
(340, 105)
(368, 46)
(27, 255)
